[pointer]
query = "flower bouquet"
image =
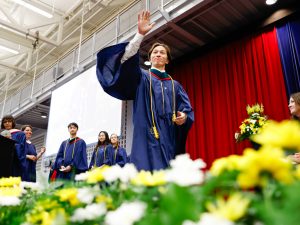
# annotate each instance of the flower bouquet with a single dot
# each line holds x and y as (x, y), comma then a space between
(253, 124)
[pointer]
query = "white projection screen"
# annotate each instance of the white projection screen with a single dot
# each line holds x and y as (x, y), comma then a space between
(82, 100)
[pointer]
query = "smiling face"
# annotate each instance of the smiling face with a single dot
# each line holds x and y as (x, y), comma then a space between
(101, 137)
(28, 132)
(114, 139)
(294, 108)
(159, 57)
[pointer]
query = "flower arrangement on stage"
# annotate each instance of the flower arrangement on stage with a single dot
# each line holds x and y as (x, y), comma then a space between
(258, 187)
(253, 124)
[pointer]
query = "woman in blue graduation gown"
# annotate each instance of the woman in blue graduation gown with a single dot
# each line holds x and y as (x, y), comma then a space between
(162, 114)
(31, 155)
(19, 162)
(120, 155)
(71, 158)
(103, 152)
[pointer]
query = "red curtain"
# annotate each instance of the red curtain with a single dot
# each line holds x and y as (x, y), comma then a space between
(222, 83)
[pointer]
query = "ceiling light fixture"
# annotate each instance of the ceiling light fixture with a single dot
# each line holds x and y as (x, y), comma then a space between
(33, 8)
(271, 2)
(44, 115)
(9, 50)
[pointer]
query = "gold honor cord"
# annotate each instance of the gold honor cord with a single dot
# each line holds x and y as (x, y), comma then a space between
(96, 156)
(154, 128)
(66, 148)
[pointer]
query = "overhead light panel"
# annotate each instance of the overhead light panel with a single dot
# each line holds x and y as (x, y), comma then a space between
(44, 115)
(9, 50)
(33, 8)
(271, 2)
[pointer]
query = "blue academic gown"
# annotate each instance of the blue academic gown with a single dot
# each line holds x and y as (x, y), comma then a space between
(19, 165)
(128, 81)
(103, 155)
(120, 156)
(71, 152)
(30, 165)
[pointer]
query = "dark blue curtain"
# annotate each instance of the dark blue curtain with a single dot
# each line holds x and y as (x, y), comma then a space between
(288, 35)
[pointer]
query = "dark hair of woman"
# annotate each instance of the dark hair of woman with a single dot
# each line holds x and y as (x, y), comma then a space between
(9, 118)
(296, 98)
(105, 142)
(25, 126)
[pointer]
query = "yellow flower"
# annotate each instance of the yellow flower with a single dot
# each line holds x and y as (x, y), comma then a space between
(10, 191)
(255, 109)
(297, 172)
(145, 178)
(226, 163)
(10, 181)
(46, 218)
(107, 200)
(258, 166)
(96, 174)
(233, 209)
(45, 212)
(68, 195)
(284, 134)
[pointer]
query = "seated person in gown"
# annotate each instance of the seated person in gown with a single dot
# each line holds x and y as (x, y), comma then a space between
(120, 155)
(103, 152)
(71, 158)
(162, 114)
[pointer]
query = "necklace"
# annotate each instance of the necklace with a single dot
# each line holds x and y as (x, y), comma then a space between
(154, 128)
(72, 150)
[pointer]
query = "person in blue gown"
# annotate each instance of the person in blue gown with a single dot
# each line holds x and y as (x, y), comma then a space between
(120, 155)
(71, 158)
(103, 152)
(162, 114)
(31, 155)
(19, 162)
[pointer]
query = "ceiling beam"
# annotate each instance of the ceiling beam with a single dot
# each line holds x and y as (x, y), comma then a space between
(12, 67)
(10, 36)
(180, 30)
(32, 35)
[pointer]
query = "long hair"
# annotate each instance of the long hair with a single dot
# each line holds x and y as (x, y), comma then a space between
(106, 141)
(9, 118)
(296, 98)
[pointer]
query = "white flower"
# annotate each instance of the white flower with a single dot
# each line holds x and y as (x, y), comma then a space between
(124, 174)
(30, 185)
(185, 172)
(126, 214)
(184, 161)
(90, 212)
(9, 200)
(112, 174)
(81, 176)
(253, 121)
(86, 195)
(128, 172)
(209, 219)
